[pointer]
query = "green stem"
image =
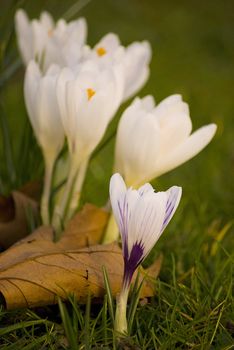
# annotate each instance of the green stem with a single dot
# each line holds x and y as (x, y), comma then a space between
(45, 200)
(60, 208)
(76, 191)
(121, 325)
(112, 231)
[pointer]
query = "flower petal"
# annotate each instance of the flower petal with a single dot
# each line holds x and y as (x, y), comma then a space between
(24, 35)
(185, 151)
(146, 220)
(137, 58)
(174, 195)
(136, 161)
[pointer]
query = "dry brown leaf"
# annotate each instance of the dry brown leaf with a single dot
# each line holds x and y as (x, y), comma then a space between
(13, 219)
(35, 270)
(32, 189)
(38, 280)
(85, 229)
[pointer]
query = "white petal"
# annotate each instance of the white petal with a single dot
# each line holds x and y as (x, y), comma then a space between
(146, 220)
(145, 188)
(50, 133)
(117, 196)
(110, 42)
(174, 195)
(65, 76)
(31, 85)
(185, 151)
(136, 160)
(148, 103)
(175, 132)
(24, 35)
(137, 58)
(46, 20)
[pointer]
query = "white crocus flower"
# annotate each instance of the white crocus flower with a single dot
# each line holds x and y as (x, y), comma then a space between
(141, 216)
(161, 138)
(87, 101)
(50, 42)
(135, 59)
(42, 106)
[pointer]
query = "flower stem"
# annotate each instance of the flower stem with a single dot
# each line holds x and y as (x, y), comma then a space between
(49, 165)
(76, 192)
(60, 208)
(112, 231)
(121, 325)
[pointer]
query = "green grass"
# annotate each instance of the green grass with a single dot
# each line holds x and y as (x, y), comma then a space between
(193, 50)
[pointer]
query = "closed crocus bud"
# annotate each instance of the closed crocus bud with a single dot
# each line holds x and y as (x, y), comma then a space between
(141, 216)
(135, 59)
(42, 106)
(160, 137)
(50, 42)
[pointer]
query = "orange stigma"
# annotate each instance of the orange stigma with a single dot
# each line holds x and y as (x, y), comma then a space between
(101, 51)
(90, 93)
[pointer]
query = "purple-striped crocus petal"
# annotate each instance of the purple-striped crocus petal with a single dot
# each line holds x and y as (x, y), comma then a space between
(117, 197)
(174, 195)
(132, 262)
(144, 189)
(122, 202)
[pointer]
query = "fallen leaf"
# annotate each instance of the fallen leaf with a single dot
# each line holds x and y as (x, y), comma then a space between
(85, 229)
(13, 219)
(32, 189)
(38, 280)
(35, 270)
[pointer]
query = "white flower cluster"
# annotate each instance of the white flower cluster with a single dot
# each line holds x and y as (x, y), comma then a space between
(72, 92)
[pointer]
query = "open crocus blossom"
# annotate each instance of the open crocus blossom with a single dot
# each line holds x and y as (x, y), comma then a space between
(87, 101)
(160, 137)
(42, 106)
(141, 216)
(50, 42)
(135, 59)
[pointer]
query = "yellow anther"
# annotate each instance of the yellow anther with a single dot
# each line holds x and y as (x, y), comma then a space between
(50, 32)
(90, 93)
(101, 51)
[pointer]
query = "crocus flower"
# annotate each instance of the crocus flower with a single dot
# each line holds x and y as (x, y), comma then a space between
(87, 101)
(161, 138)
(42, 106)
(50, 42)
(135, 59)
(141, 216)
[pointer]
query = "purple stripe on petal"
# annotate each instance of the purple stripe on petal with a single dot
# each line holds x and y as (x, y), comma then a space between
(131, 263)
(123, 213)
(171, 202)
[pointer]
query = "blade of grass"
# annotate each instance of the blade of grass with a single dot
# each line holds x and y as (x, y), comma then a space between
(69, 331)
(87, 323)
(109, 294)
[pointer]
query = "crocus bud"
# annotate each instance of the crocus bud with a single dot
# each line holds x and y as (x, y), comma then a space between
(141, 216)
(50, 42)
(160, 137)
(135, 59)
(42, 106)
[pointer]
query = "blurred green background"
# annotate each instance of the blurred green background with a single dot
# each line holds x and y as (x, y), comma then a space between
(193, 54)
